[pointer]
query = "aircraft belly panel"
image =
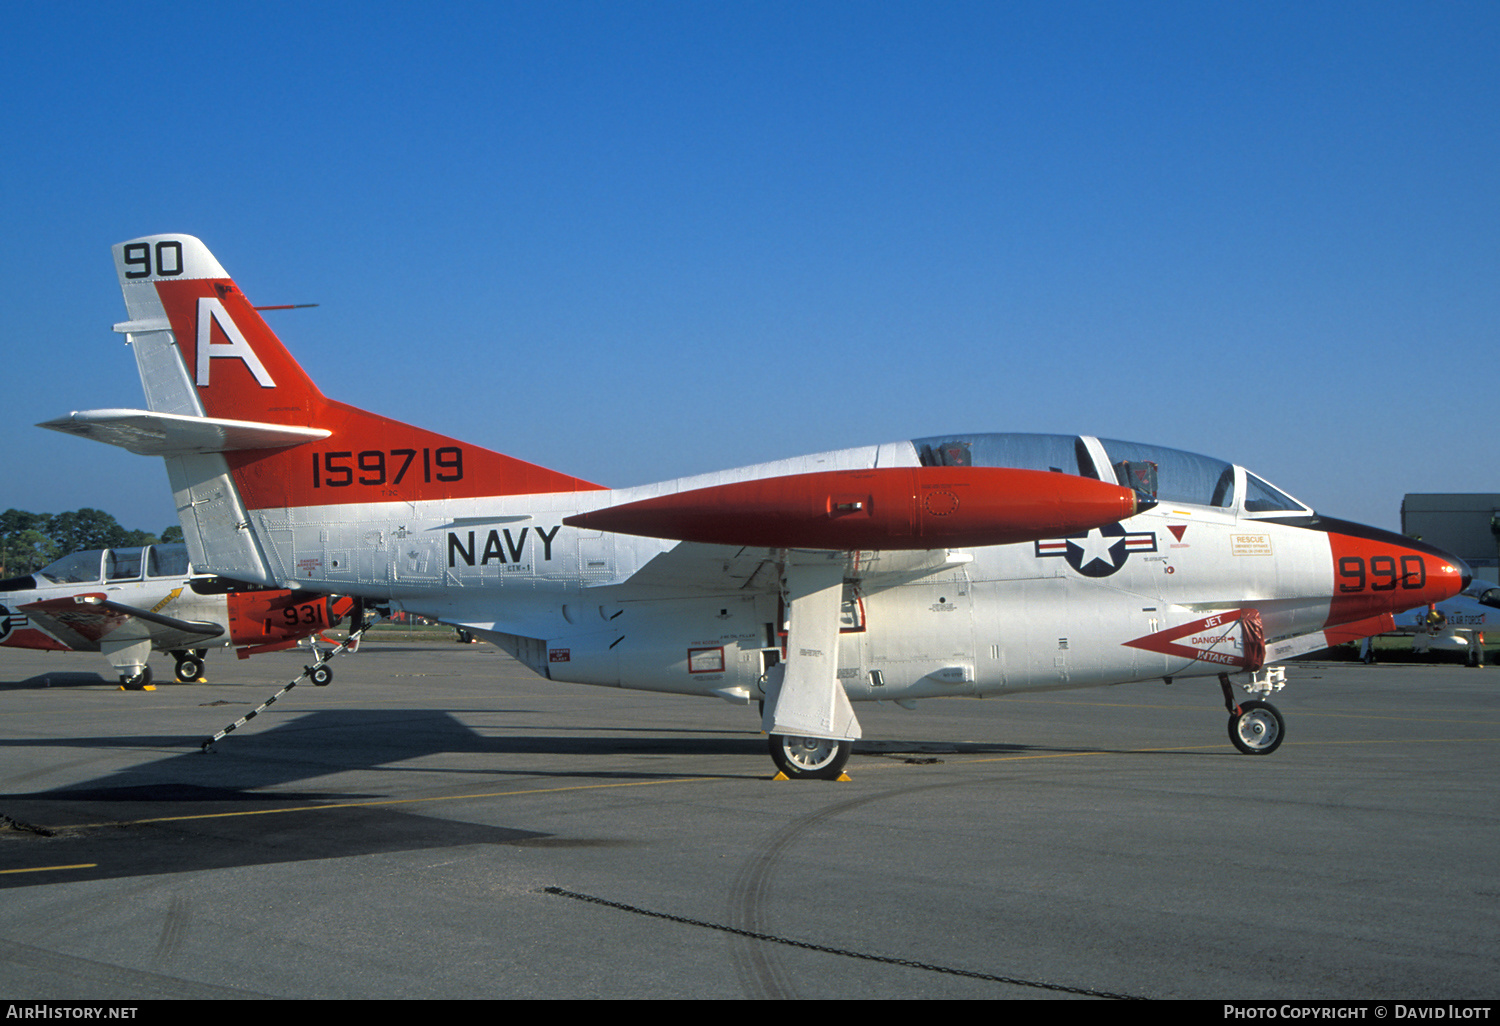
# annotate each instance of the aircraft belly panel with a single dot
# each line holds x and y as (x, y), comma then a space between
(690, 646)
(919, 637)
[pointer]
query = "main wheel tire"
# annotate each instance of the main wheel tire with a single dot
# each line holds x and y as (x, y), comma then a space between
(140, 682)
(809, 758)
(1257, 728)
(189, 669)
(321, 676)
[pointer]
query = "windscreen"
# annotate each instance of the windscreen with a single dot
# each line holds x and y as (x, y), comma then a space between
(78, 568)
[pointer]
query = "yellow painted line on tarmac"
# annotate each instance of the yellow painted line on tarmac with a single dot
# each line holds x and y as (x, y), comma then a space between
(48, 869)
(391, 801)
(1077, 755)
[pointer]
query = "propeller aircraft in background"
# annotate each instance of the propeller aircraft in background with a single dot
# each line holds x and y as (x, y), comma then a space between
(129, 602)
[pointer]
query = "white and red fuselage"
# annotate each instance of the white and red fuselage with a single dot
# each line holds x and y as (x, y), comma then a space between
(1097, 606)
(970, 564)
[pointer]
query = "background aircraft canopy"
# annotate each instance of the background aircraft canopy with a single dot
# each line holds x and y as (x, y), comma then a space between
(95, 565)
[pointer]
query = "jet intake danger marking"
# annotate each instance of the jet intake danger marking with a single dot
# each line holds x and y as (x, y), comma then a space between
(496, 550)
(1100, 552)
(1213, 639)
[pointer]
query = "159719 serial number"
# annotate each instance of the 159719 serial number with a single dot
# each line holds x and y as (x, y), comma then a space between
(386, 466)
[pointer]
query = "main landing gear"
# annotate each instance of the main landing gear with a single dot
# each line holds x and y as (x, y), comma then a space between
(809, 758)
(1256, 727)
(189, 668)
(806, 712)
(140, 681)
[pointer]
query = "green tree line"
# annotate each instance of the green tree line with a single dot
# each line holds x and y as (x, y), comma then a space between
(29, 541)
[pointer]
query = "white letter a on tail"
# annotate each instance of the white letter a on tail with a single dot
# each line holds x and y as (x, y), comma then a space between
(210, 309)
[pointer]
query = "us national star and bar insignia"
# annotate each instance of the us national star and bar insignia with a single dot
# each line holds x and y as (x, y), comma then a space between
(1099, 552)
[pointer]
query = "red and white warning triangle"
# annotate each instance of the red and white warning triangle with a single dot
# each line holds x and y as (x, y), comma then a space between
(1232, 638)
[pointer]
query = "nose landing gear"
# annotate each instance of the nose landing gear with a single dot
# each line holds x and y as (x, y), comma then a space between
(1256, 726)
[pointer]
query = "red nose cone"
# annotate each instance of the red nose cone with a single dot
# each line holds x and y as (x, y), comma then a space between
(889, 508)
(1375, 572)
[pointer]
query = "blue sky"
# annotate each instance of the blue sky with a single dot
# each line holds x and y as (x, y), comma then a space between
(634, 241)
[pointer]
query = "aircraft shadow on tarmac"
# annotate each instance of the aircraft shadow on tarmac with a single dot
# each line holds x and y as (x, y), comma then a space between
(258, 764)
(292, 833)
(56, 679)
(190, 811)
(321, 744)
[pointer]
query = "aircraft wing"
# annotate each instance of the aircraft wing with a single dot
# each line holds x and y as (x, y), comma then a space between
(696, 566)
(82, 621)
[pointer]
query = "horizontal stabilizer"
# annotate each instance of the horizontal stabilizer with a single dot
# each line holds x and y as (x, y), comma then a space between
(173, 434)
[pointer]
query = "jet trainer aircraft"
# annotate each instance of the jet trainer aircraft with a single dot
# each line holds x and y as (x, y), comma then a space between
(128, 602)
(967, 564)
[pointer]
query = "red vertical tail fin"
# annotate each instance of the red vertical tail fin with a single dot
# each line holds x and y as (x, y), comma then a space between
(244, 429)
(204, 350)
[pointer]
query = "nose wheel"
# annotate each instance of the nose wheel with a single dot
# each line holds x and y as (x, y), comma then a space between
(1256, 728)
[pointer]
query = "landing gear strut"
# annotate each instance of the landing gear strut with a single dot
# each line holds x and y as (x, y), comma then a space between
(1256, 727)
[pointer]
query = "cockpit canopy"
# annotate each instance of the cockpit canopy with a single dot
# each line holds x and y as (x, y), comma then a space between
(1166, 475)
